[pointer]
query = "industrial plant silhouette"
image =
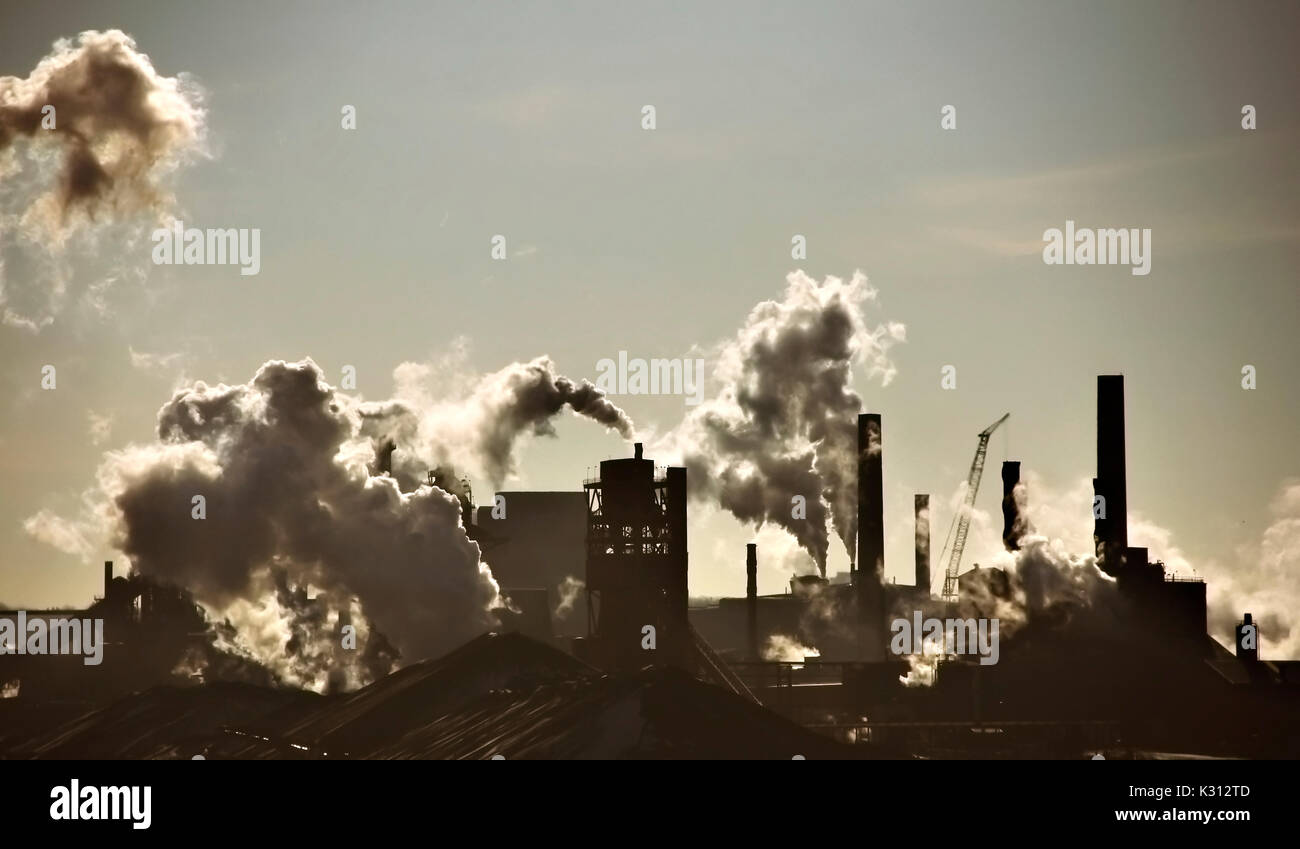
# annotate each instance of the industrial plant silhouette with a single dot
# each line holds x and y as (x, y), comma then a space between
(1121, 666)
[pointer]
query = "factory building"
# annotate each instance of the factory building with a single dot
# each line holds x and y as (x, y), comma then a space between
(636, 571)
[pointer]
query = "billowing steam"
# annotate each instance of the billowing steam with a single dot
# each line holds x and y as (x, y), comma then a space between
(266, 500)
(287, 503)
(783, 421)
(86, 142)
(477, 427)
(1264, 582)
(1044, 584)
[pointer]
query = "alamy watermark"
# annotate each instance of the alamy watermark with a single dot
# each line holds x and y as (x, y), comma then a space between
(92, 802)
(945, 637)
(652, 377)
(1083, 246)
(176, 245)
(53, 635)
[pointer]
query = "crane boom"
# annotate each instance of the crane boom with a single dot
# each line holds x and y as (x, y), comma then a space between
(962, 519)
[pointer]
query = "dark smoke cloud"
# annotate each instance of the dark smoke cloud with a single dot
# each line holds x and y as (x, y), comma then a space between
(784, 419)
(119, 129)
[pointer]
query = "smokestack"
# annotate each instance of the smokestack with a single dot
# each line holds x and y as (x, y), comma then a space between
(1011, 522)
(108, 576)
(1110, 532)
(871, 536)
(751, 599)
(921, 502)
(871, 523)
(636, 451)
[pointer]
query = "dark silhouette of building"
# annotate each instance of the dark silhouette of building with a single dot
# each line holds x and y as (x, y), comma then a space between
(538, 540)
(637, 566)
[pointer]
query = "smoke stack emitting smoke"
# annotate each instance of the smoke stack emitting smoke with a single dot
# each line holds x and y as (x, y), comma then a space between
(783, 420)
(293, 497)
(119, 128)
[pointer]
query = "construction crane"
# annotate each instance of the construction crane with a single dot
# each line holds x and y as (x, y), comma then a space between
(962, 520)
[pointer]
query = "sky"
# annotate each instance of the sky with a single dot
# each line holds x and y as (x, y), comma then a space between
(772, 120)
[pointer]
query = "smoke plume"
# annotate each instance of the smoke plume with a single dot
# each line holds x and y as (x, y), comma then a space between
(288, 504)
(87, 140)
(1264, 582)
(783, 421)
(270, 501)
(477, 427)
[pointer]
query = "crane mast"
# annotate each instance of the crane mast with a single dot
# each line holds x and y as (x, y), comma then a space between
(962, 520)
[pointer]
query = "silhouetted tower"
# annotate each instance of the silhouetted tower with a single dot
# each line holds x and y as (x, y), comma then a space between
(751, 601)
(921, 505)
(1110, 533)
(869, 577)
(637, 566)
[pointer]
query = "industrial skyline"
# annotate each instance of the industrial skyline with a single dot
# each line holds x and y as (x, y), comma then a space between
(342, 347)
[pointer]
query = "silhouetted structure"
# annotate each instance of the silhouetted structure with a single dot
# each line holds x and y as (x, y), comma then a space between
(538, 539)
(869, 576)
(1110, 531)
(637, 566)
(921, 510)
(751, 601)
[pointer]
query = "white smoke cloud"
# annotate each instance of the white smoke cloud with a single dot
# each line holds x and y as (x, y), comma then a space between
(92, 180)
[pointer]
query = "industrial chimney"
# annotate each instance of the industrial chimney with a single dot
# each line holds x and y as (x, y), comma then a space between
(751, 600)
(921, 502)
(871, 537)
(1012, 521)
(108, 577)
(1110, 530)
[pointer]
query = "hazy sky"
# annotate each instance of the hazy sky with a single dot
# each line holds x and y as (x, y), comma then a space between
(772, 120)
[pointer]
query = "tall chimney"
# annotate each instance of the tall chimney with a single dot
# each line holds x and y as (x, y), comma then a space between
(871, 537)
(871, 523)
(751, 599)
(636, 449)
(1111, 532)
(1011, 520)
(921, 502)
(108, 576)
